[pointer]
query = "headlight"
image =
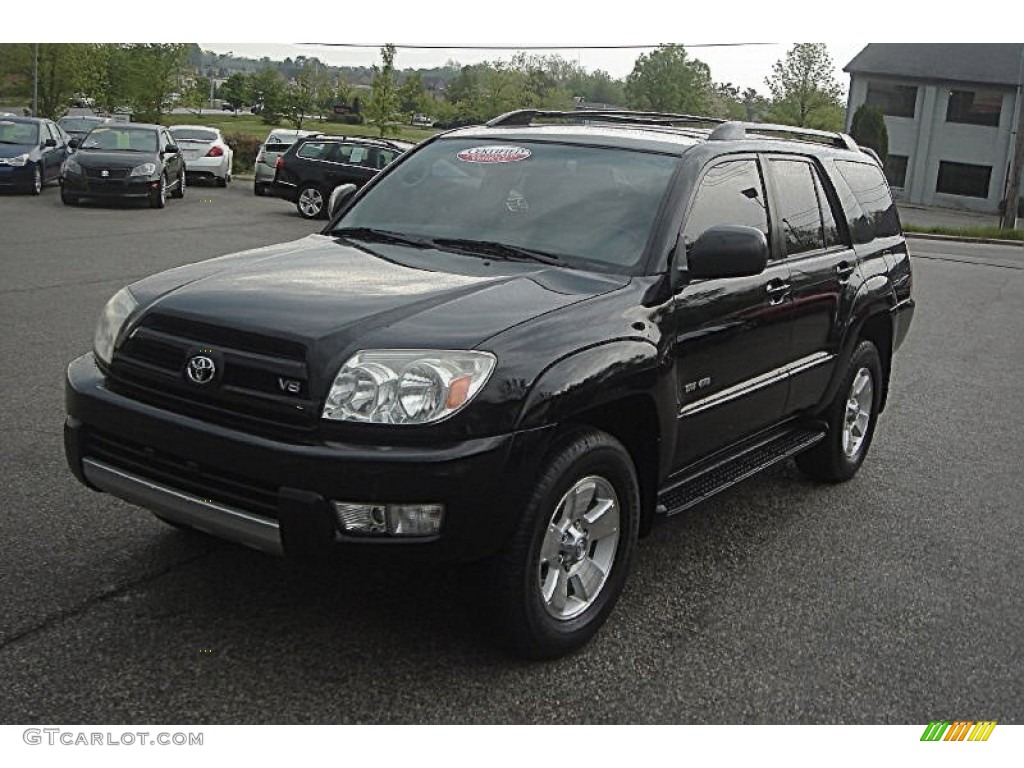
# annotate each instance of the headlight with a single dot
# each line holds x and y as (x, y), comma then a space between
(114, 314)
(18, 161)
(406, 386)
(71, 166)
(146, 169)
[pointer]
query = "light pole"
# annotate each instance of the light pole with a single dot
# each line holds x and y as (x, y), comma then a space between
(1009, 217)
(35, 79)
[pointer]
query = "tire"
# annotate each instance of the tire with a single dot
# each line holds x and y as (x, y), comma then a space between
(158, 199)
(311, 202)
(221, 181)
(179, 191)
(67, 198)
(851, 419)
(536, 588)
(260, 190)
(37, 181)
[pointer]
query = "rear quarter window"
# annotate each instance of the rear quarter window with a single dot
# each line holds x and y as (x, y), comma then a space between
(871, 191)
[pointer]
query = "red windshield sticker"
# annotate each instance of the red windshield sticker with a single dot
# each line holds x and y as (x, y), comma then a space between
(496, 153)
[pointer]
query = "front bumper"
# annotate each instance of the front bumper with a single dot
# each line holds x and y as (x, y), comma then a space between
(86, 186)
(275, 496)
(16, 176)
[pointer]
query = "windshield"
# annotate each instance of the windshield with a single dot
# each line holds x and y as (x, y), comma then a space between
(121, 139)
(12, 132)
(193, 134)
(581, 204)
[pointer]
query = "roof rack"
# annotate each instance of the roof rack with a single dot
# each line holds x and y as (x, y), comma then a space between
(524, 117)
(735, 130)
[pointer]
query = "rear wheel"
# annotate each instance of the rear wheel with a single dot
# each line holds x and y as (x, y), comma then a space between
(556, 581)
(310, 202)
(260, 190)
(851, 420)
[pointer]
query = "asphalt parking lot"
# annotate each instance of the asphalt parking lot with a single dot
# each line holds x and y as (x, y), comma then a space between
(895, 598)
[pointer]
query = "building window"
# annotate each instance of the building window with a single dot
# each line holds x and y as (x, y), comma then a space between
(893, 100)
(974, 107)
(896, 170)
(963, 179)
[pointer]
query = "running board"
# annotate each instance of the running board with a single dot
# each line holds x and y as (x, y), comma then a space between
(710, 478)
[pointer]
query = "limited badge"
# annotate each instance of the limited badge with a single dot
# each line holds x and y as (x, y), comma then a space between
(494, 153)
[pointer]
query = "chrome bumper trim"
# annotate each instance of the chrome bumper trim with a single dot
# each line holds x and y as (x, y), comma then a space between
(204, 515)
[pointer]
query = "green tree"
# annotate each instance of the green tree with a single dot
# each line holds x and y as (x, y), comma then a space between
(305, 94)
(268, 91)
(236, 90)
(412, 96)
(154, 71)
(64, 70)
(868, 129)
(196, 95)
(382, 108)
(804, 89)
(669, 80)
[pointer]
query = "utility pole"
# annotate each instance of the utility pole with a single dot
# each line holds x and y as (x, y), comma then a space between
(35, 79)
(1009, 218)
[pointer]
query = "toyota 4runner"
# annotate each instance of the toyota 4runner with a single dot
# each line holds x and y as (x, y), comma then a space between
(517, 347)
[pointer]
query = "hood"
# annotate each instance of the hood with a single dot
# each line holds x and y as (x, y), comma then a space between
(92, 158)
(13, 150)
(334, 297)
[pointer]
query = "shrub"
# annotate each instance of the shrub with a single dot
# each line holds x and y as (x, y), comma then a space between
(868, 130)
(245, 147)
(350, 119)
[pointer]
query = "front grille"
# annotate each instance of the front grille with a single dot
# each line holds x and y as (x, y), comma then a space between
(182, 474)
(261, 381)
(112, 173)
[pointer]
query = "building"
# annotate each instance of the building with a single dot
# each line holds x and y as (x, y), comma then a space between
(951, 111)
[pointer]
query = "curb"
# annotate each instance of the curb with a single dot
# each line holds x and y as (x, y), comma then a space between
(964, 239)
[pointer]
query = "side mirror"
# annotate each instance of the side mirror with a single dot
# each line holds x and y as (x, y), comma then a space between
(171, 149)
(728, 250)
(338, 198)
(50, 143)
(75, 143)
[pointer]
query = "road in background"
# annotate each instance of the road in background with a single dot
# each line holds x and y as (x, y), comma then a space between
(893, 598)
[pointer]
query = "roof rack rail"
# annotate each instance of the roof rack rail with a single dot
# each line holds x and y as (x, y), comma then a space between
(736, 130)
(524, 117)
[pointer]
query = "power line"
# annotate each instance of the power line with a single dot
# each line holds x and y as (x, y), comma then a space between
(530, 47)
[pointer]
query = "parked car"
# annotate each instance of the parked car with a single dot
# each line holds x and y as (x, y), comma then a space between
(516, 348)
(312, 167)
(76, 126)
(124, 160)
(31, 152)
(207, 155)
(277, 143)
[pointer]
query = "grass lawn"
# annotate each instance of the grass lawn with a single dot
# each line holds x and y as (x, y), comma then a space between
(253, 125)
(994, 233)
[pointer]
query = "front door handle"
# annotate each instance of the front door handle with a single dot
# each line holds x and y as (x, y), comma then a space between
(844, 269)
(777, 291)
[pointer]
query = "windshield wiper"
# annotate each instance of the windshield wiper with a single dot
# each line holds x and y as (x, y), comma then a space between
(383, 236)
(497, 250)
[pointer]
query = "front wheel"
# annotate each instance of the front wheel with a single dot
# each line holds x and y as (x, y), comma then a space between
(310, 203)
(37, 181)
(158, 197)
(556, 581)
(851, 419)
(67, 198)
(179, 191)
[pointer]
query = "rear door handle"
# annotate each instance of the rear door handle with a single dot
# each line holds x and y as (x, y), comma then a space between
(844, 269)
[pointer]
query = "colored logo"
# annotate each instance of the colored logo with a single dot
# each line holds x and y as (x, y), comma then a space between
(496, 153)
(959, 730)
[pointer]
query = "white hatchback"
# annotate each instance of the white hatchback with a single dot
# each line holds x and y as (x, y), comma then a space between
(206, 153)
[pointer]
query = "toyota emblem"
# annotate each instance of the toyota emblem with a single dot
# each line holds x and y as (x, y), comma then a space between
(104, 174)
(200, 369)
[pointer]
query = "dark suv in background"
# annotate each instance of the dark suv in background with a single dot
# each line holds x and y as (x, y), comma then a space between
(516, 348)
(313, 166)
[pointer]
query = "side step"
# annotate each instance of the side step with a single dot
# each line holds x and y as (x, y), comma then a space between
(708, 478)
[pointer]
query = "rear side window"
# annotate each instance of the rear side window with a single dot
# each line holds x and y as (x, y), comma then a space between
(872, 193)
(796, 206)
(729, 193)
(316, 150)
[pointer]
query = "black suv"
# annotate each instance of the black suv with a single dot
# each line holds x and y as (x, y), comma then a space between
(517, 348)
(313, 166)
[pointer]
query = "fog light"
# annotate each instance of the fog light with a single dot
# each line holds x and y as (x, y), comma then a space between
(389, 519)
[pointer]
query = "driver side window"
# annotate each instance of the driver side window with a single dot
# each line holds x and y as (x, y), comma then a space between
(729, 193)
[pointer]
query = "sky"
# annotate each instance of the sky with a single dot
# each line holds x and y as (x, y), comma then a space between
(248, 25)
